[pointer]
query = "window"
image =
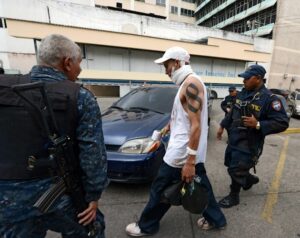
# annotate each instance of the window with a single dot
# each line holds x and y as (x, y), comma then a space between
(199, 2)
(3, 23)
(174, 9)
(161, 2)
(273, 18)
(230, 13)
(140, 0)
(119, 5)
(186, 12)
(191, 1)
(150, 98)
(83, 50)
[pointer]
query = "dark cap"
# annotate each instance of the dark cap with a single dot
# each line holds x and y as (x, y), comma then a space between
(253, 70)
(231, 88)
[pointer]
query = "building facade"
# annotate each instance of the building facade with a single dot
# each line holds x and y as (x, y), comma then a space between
(174, 10)
(285, 70)
(119, 47)
(249, 17)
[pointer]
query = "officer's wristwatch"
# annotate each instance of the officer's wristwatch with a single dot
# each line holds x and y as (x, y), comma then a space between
(257, 126)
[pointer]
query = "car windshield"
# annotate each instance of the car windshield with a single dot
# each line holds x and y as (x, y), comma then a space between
(158, 99)
(298, 97)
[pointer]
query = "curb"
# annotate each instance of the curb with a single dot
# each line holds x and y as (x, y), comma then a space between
(291, 131)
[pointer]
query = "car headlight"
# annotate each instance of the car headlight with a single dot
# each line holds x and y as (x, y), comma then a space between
(137, 146)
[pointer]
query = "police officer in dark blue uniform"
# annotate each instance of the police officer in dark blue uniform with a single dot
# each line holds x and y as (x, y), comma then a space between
(255, 114)
(229, 100)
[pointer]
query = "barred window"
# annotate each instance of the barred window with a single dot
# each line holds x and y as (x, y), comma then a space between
(161, 2)
(119, 5)
(174, 9)
(199, 2)
(186, 12)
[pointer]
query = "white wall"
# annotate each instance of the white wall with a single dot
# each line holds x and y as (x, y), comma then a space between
(64, 13)
(17, 55)
(285, 70)
(15, 45)
(4, 61)
(81, 2)
(108, 58)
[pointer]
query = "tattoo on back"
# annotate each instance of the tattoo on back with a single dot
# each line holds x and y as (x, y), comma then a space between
(193, 100)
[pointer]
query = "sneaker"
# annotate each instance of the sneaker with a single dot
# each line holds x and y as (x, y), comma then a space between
(205, 225)
(251, 180)
(133, 229)
(229, 201)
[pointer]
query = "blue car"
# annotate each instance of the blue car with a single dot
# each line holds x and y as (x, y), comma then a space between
(128, 126)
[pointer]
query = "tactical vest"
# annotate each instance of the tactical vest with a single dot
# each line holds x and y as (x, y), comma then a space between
(247, 139)
(21, 132)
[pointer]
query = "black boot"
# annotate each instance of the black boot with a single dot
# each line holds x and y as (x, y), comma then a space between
(230, 200)
(250, 181)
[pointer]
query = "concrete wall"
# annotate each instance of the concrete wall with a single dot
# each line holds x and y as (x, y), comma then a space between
(16, 55)
(285, 69)
(63, 13)
(115, 59)
(150, 8)
(81, 2)
(122, 59)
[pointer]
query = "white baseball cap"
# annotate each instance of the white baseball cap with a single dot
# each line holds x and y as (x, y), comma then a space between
(176, 53)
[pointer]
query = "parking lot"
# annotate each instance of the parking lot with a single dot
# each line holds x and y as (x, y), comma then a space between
(269, 209)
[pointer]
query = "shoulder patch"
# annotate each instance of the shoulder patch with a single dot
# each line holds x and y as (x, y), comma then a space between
(276, 105)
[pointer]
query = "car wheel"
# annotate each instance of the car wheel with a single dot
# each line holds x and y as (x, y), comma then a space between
(292, 110)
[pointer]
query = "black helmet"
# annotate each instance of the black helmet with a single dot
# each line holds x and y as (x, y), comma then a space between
(172, 195)
(194, 196)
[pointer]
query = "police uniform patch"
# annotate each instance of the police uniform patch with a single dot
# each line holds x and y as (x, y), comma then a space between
(276, 105)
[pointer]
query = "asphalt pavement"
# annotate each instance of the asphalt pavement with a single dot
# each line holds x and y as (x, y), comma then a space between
(270, 209)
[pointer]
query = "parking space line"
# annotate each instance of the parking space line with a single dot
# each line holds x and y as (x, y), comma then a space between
(274, 189)
(291, 130)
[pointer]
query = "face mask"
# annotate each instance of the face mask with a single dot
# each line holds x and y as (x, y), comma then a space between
(179, 75)
(172, 71)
